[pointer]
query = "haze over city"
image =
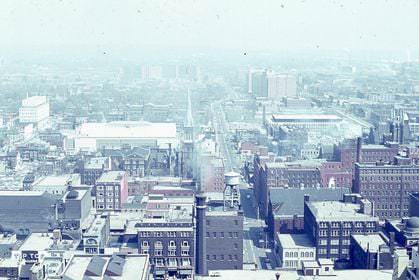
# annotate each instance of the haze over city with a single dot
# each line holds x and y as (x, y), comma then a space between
(197, 139)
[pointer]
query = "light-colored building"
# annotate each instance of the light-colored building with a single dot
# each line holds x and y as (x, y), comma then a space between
(281, 85)
(113, 135)
(111, 190)
(34, 109)
(55, 185)
(292, 249)
(314, 123)
(116, 266)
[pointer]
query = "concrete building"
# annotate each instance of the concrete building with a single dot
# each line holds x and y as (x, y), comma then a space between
(387, 186)
(96, 237)
(7, 242)
(77, 205)
(370, 252)
(55, 185)
(331, 223)
(35, 110)
(313, 123)
(27, 211)
(116, 266)
(281, 85)
(292, 249)
(258, 83)
(111, 191)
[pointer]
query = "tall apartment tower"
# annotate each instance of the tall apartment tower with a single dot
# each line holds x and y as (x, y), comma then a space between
(200, 246)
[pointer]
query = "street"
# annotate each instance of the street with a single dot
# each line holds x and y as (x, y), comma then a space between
(255, 255)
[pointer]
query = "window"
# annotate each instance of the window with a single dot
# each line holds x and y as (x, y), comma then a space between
(185, 243)
(144, 243)
(158, 252)
(172, 243)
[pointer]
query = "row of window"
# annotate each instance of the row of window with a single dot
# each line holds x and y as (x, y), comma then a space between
(222, 234)
(222, 258)
(159, 244)
(345, 225)
(301, 255)
(164, 234)
(333, 251)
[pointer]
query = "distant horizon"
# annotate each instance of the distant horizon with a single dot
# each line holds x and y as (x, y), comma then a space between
(104, 27)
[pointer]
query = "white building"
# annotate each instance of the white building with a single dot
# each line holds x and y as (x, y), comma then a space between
(55, 185)
(93, 136)
(281, 85)
(34, 109)
(293, 249)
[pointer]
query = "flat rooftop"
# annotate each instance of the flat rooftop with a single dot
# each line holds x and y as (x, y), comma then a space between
(107, 267)
(127, 130)
(338, 211)
(52, 181)
(111, 177)
(294, 240)
(305, 117)
(21, 193)
(371, 242)
(37, 242)
(349, 274)
(96, 163)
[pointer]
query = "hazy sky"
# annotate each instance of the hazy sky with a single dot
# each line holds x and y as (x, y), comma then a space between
(230, 24)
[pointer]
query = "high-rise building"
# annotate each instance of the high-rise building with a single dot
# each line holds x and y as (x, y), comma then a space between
(331, 223)
(281, 85)
(388, 186)
(258, 84)
(35, 110)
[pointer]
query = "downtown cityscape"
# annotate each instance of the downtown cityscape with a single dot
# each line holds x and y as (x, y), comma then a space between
(186, 140)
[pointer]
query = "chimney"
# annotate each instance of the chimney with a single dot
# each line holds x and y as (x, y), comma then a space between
(391, 242)
(200, 229)
(358, 149)
(306, 197)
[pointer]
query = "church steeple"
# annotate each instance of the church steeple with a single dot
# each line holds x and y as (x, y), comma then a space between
(188, 128)
(188, 142)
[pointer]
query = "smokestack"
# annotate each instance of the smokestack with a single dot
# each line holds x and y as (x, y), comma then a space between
(358, 149)
(391, 242)
(200, 246)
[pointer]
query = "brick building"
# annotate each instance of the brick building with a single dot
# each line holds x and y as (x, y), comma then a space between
(388, 186)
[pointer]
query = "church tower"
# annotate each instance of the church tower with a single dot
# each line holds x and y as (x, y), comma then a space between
(188, 143)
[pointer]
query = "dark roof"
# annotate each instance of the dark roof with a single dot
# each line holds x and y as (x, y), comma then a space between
(95, 266)
(115, 266)
(290, 201)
